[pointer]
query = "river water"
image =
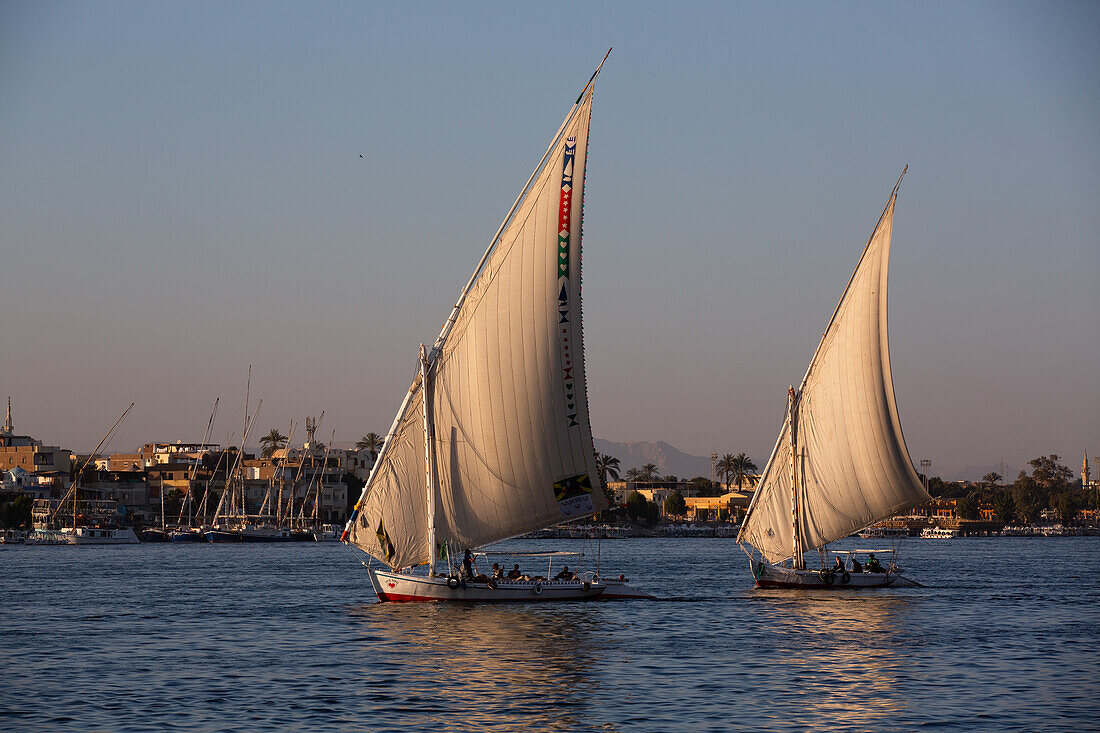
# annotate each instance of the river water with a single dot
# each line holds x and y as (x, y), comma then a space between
(1005, 636)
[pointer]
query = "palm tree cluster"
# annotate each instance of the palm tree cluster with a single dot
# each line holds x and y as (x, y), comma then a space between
(739, 467)
(647, 473)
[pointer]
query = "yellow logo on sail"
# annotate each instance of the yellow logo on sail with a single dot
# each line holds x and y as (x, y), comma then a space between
(574, 495)
(571, 486)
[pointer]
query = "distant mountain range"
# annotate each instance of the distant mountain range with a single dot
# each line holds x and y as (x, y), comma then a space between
(668, 459)
(673, 461)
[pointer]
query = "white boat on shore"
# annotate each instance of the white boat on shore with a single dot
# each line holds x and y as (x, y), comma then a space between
(939, 533)
(327, 533)
(83, 536)
(1036, 530)
(84, 521)
(876, 532)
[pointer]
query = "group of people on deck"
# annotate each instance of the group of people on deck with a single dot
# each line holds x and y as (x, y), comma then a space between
(470, 573)
(873, 565)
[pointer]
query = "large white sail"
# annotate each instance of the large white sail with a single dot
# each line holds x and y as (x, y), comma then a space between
(851, 464)
(507, 399)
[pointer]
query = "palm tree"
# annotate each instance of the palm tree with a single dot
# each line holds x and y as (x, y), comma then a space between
(608, 466)
(724, 467)
(649, 472)
(742, 467)
(634, 474)
(991, 479)
(371, 442)
(272, 442)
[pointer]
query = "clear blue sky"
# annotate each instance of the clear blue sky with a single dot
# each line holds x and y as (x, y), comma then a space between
(181, 195)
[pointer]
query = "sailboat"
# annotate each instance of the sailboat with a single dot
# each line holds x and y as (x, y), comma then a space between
(91, 521)
(840, 461)
(493, 438)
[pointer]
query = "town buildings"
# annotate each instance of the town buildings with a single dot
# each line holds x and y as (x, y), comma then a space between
(288, 483)
(28, 466)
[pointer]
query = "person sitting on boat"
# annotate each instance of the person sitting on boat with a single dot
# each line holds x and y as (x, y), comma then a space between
(838, 565)
(565, 574)
(857, 566)
(468, 563)
(873, 565)
(514, 573)
(498, 572)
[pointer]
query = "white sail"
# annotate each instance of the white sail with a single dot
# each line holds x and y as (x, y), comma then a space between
(851, 464)
(508, 405)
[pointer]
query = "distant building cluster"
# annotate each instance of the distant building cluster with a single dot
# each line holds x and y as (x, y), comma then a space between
(140, 480)
(727, 506)
(30, 467)
(732, 503)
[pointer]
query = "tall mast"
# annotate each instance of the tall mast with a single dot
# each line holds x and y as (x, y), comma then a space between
(80, 471)
(429, 456)
(244, 436)
(282, 475)
(315, 484)
(792, 441)
(319, 491)
(194, 469)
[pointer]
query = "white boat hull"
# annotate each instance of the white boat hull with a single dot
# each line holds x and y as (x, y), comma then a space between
(775, 576)
(403, 588)
(83, 536)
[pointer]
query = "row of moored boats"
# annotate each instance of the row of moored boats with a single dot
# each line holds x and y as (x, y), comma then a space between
(127, 536)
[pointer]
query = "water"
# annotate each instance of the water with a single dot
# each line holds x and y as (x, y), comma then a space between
(287, 637)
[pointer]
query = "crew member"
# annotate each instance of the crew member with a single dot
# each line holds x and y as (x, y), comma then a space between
(468, 564)
(565, 574)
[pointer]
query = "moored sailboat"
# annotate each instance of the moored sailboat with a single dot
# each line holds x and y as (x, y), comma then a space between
(493, 438)
(840, 462)
(89, 521)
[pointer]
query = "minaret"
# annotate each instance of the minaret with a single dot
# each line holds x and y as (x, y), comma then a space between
(8, 427)
(1084, 468)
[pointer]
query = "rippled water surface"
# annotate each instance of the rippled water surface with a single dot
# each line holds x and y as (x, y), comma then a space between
(1006, 636)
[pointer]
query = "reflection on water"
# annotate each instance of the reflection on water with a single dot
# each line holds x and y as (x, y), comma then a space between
(847, 643)
(513, 666)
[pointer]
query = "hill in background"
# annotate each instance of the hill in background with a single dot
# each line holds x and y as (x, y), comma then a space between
(669, 459)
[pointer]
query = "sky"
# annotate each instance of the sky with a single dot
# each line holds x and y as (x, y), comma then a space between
(182, 196)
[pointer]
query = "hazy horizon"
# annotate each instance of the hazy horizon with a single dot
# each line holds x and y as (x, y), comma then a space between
(182, 195)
